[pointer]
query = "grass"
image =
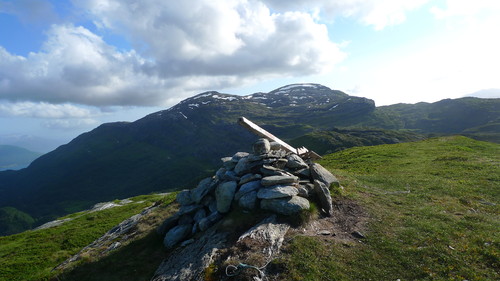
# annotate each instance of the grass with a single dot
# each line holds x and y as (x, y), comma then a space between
(433, 212)
(32, 255)
(434, 215)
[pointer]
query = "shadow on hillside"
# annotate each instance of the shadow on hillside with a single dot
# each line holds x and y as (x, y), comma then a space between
(135, 261)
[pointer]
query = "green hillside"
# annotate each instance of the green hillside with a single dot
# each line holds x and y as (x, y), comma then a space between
(430, 211)
(433, 210)
(174, 148)
(33, 254)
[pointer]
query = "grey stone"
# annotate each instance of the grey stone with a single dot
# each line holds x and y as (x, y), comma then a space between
(220, 173)
(176, 235)
(278, 191)
(187, 242)
(190, 262)
(226, 159)
(207, 200)
(230, 176)
(253, 158)
(275, 146)
(285, 206)
(295, 162)
(274, 180)
(247, 187)
(261, 146)
(199, 215)
(238, 155)
(195, 228)
(184, 197)
(323, 194)
(188, 209)
(267, 170)
(224, 194)
(167, 225)
(208, 221)
(248, 178)
(244, 166)
(205, 186)
(303, 192)
(186, 219)
(324, 232)
(248, 200)
(357, 234)
(266, 237)
(318, 172)
(280, 163)
(212, 207)
(303, 173)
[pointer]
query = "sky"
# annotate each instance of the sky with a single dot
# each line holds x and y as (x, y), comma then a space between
(67, 66)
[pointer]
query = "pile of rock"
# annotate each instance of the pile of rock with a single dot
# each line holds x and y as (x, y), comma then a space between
(270, 179)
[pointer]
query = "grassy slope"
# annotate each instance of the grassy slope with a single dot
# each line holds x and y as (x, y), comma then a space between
(32, 255)
(444, 228)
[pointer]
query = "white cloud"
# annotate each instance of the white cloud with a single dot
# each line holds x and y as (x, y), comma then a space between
(179, 48)
(44, 110)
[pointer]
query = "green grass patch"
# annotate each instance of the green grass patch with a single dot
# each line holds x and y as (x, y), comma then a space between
(434, 209)
(32, 255)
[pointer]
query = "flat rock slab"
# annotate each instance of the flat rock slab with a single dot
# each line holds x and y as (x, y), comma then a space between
(274, 180)
(279, 191)
(268, 235)
(285, 206)
(189, 263)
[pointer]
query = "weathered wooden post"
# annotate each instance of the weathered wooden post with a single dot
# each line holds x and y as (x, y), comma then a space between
(254, 128)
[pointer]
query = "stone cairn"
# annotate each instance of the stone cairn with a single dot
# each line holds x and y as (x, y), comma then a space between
(270, 179)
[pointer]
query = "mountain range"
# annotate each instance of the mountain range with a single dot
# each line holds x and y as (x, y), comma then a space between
(174, 148)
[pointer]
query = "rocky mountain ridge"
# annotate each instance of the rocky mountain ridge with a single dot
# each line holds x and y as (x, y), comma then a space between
(174, 148)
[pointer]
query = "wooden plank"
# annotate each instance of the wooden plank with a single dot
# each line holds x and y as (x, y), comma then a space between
(254, 128)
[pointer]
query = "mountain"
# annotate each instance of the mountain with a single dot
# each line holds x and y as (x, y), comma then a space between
(174, 148)
(449, 116)
(15, 158)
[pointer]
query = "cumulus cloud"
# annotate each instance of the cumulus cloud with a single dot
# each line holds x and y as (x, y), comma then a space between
(179, 48)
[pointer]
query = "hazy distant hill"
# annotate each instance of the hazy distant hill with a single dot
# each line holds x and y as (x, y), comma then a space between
(163, 150)
(30, 142)
(15, 158)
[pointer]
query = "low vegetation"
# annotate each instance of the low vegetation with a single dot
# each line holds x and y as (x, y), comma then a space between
(32, 255)
(434, 215)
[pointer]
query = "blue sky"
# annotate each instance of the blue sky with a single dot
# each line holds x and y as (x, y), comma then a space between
(67, 66)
